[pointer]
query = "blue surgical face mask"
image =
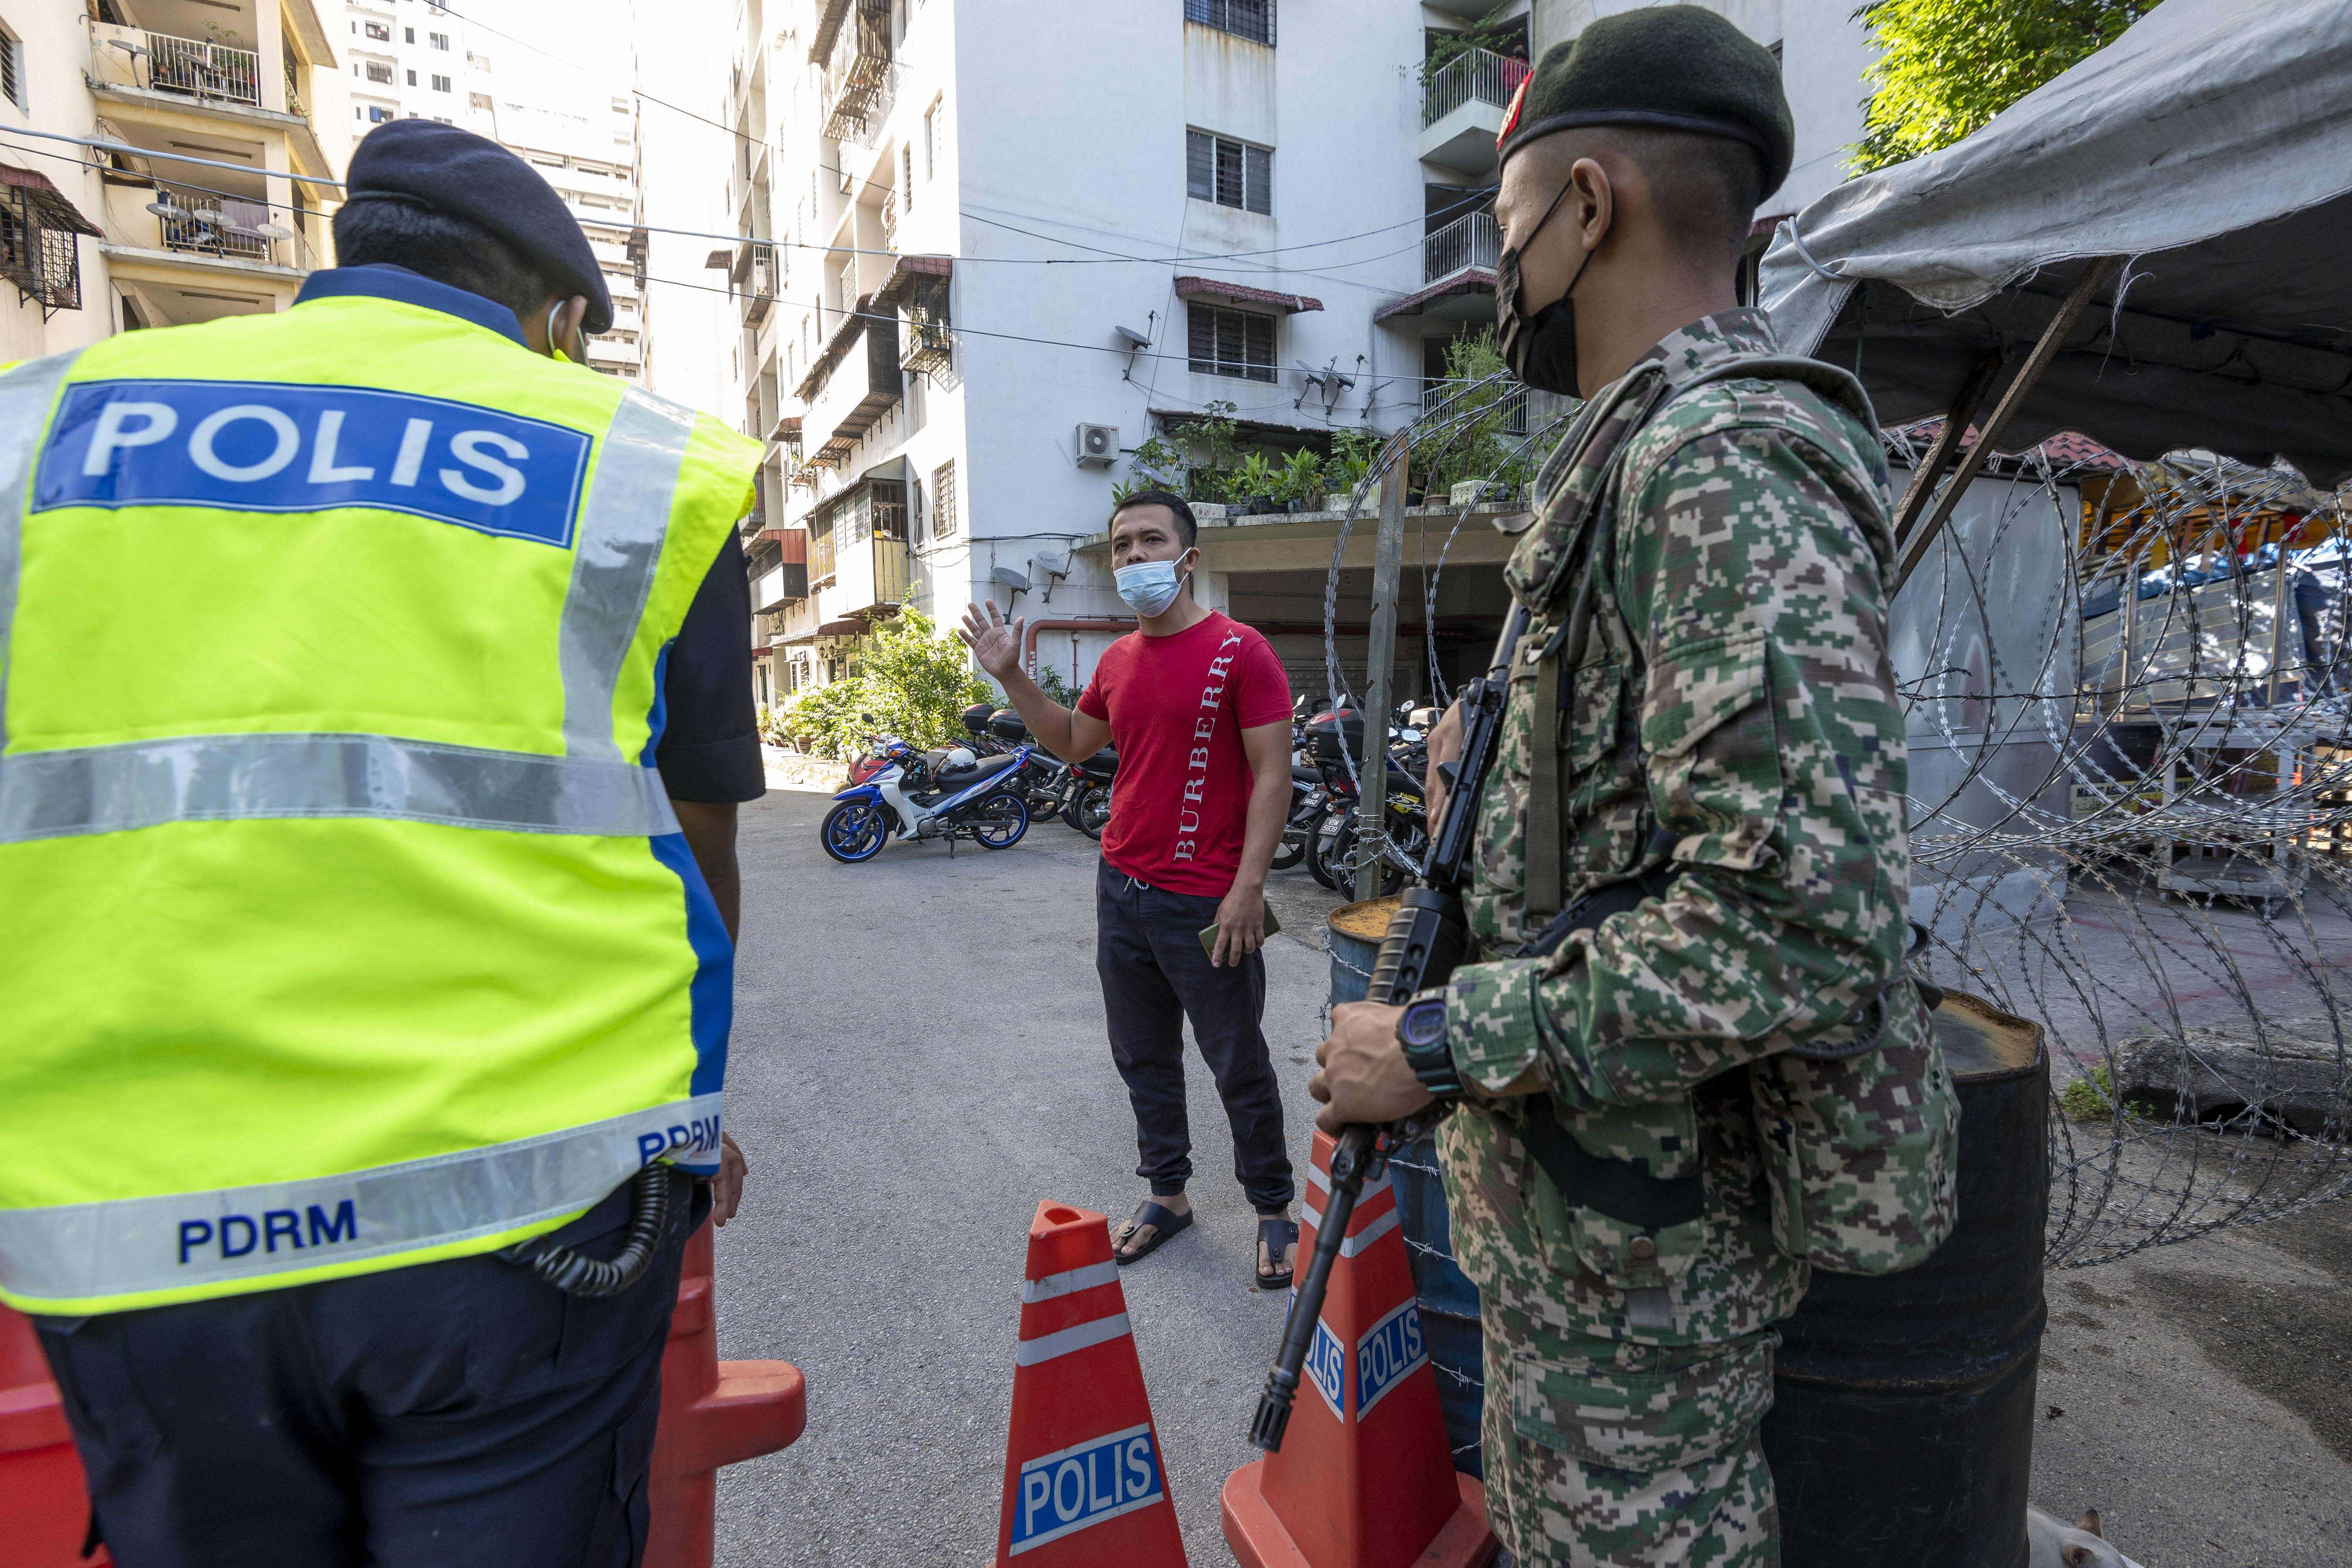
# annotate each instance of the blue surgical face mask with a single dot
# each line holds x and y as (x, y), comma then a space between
(1149, 586)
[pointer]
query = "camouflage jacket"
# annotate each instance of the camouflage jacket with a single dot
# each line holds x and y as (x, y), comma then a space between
(1734, 718)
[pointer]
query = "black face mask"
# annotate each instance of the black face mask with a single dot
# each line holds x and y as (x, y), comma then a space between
(1540, 349)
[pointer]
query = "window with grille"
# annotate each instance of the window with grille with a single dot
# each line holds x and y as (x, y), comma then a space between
(411, 78)
(378, 71)
(12, 70)
(931, 139)
(378, 116)
(1231, 342)
(411, 32)
(1228, 173)
(380, 32)
(1251, 19)
(438, 41)
(906, 196)
(943, 500)
(440, 84)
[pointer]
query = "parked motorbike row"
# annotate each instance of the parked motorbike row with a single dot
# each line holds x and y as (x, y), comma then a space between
(1326, 797)
(990, 789)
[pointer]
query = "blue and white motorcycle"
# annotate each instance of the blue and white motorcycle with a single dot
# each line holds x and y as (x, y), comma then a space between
(947, 795)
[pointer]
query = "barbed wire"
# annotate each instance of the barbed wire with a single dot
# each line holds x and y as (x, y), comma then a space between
(2129, 811)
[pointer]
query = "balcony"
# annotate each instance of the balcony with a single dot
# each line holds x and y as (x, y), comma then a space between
(755, 273)
(185, 67)
(859, 388)
(1507, 410)
(857, 551)
(928, 348)
(1473, 242)
(784, 584)
(1462, 109)
(857, 70)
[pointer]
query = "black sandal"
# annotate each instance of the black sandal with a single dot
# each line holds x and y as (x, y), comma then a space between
(1270, 1236)
(1164, 1223)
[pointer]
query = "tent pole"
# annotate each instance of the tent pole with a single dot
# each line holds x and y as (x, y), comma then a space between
(1947, 444)
(2096, 272)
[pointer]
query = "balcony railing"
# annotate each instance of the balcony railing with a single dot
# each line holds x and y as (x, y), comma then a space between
(232, 231)
(857, 73)
(1511, 406)
(1474, 239)
(203, 70)
(1479, 75)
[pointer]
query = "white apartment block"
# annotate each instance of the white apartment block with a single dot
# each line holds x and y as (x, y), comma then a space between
(979, 231)
(409, 59)
(95, 242)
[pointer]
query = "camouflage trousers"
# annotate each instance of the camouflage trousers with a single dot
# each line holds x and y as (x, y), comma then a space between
(1703, 1496)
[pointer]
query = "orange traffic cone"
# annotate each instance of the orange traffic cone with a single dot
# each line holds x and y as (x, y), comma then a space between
(1083, 1479)
(44, 1511)
(1364, 1478)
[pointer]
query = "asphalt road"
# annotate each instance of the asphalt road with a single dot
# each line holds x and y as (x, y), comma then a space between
(919, 1058)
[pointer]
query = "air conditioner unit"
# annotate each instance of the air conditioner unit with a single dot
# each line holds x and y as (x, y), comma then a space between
(1097, 445)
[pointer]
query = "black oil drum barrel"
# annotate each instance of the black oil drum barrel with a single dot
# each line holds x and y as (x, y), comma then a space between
(1902, 1421)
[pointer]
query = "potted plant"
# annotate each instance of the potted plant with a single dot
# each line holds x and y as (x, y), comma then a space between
(1254, 484)
(1301, 484)
(1353, 452)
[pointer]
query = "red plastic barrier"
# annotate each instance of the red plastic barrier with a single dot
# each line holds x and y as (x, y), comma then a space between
(1364, 1478)
(1083, 1480)
(44, 1508)
(713, 1413)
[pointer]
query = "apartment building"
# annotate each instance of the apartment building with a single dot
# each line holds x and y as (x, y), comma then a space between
(1823, 52)
(93, 242)
(991, 252)
(409, 59)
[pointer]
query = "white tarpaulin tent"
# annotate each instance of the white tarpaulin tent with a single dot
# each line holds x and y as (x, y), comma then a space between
(2201, 165)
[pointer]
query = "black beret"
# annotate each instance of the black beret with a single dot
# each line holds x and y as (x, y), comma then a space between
(456, 172)
(1676, 67)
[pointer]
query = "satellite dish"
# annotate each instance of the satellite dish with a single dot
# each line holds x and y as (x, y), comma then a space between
(1013, 580)
(163, 207)
(208, 216)
(1132, 338)
(274, 230)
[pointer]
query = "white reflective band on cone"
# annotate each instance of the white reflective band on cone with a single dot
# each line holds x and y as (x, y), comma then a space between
(133, 1246)
(1045, 1347)
(1352, 1245)
(213, 778)
(1035, 1290)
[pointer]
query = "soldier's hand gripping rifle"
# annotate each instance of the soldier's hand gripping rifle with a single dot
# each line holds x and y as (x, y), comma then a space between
(1425, 940)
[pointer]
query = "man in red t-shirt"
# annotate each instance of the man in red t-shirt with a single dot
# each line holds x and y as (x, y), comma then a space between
(1199, 709)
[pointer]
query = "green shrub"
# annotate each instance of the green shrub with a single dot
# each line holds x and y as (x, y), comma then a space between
(912, 683)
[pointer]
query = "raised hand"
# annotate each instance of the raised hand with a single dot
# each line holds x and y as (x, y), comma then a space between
(996, 646)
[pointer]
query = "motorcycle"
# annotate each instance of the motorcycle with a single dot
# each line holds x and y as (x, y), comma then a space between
(1331, 839)
(1308, 796)
(1001, 733)
(1086, 792)
(961, 796)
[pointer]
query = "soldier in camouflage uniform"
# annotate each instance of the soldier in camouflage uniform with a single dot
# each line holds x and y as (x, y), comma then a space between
(1746, 1078)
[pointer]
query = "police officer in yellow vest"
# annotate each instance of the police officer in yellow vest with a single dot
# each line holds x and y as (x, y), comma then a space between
(373, 707)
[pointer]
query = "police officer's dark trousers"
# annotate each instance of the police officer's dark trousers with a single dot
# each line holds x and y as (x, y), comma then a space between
(450, 1413)
(1155, 975)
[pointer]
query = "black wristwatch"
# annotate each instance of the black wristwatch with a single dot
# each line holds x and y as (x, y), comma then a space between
(1421, 1032)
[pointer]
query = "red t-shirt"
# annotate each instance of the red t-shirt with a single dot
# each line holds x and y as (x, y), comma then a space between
(1177, 706)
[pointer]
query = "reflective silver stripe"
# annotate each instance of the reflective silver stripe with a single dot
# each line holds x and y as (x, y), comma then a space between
(1350, 1246)
(210, 778)
(1068, 1282)
(620, 538)
(26, 393)
(91, 1252)
(1047, 1347)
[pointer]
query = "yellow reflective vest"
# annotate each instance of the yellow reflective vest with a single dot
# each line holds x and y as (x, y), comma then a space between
(344, 922)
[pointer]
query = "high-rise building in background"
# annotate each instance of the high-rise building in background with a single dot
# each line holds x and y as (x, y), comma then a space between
(575, 118)
(989, 252)
(196, 213)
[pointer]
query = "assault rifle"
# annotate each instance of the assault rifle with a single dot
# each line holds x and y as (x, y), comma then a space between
(1426, 939)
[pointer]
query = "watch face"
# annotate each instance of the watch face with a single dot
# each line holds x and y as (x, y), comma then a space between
(1424, 1024)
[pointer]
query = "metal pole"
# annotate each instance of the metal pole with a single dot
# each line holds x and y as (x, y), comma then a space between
(1388, 565)
(1913, 549)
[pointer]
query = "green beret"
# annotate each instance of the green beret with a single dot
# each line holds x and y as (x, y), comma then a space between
(1677, 68)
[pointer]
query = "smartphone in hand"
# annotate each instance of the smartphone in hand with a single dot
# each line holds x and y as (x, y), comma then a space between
(1209, 933)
